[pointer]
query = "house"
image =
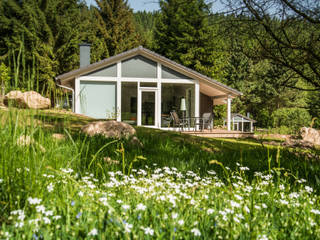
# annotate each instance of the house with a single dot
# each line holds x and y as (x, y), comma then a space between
(141, 87)
(241, 123)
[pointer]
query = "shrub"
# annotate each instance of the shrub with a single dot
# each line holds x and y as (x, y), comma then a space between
(292, 118)
(4, 78)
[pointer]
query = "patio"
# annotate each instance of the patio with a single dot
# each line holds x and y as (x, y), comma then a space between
(219, 133)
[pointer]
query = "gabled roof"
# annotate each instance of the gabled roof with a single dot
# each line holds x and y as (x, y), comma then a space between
(151, 55)
(242, 116)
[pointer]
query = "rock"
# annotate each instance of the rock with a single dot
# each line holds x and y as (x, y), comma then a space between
(109, 161)
(310, 135)
(109, 129)
(58, 136)
(135, 141)
(14, 98)
(30, 99)
(25, 141)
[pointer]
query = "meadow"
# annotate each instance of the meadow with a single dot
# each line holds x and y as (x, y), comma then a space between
(175, 186)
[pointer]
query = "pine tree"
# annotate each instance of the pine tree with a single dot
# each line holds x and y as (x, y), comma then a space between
(116, 25)
(183, 34)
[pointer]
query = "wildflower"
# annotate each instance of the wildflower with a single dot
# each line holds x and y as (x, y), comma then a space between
(73, 203)
(68, 170)
(263, 237)
(48, 213)
(34, 201)
(236, 219)
(80, 194)
(246, 209)
(93, 232)
(281, 187)
(315, 211)
(56, 217)
(244, 168)
(50, 187)
(284, 202)
(127, 227)
(19, 224)
(234, 204)
(148, 231)
(174, 215)
(181, 222)
(210, 211)
(1, 180)
(309, 189)
(119, 201)
(46, 220)
(40, 208)
(257, 207)
(238, 197)
(125, 207)
(79, 215)
(196, 232)
(141, 207)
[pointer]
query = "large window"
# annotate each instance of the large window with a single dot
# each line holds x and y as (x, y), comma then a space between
(129, 102)
(139, 67)
(171, 95)
(98, 99)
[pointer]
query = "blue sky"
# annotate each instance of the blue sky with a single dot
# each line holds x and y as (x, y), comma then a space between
(152, 5)
(139, 5)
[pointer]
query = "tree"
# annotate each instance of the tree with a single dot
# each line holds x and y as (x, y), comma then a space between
(39, 40)
(184, 35)
(4, 78)
(286, 32)
(115, 23)
(145, 25)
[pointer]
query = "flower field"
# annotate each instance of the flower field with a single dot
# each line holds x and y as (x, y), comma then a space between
(93, 188)
(166, 204)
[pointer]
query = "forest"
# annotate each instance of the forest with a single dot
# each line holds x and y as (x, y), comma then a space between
(267, 49)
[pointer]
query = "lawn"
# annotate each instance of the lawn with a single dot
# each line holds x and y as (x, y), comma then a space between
(175, 186)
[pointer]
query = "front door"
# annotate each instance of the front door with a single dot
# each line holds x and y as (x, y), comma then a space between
(148, 108)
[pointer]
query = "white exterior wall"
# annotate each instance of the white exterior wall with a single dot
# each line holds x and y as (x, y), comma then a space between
(119, 79)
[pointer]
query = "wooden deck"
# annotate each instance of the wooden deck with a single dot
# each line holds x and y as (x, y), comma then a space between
(220, 133)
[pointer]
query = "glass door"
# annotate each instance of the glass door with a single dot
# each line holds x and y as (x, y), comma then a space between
(148, 108)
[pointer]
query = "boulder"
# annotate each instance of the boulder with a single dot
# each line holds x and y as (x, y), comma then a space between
(30, 99)
(109, 129)
(310, 135)
(58, 136)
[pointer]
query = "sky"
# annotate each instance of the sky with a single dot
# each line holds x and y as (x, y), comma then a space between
(150, 5)
(138, 5)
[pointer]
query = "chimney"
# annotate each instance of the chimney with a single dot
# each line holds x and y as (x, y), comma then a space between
(84, 54)
(248, 115)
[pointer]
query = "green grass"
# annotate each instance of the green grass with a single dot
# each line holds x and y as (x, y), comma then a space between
(87, 197)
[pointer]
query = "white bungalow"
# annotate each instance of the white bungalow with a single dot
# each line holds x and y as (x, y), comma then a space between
(241, 123)
(142, 87)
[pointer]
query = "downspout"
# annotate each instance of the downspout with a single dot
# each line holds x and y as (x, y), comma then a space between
(71, 89)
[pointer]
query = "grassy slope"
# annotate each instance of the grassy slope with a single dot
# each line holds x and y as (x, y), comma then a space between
(24, 170)
(164, 148)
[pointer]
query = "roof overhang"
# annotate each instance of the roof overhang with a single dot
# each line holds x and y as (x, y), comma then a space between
(208, 86)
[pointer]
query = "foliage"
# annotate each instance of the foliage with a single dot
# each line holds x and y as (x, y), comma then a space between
(4, 77)
(285, 32)
(183, 34)
(145, 25)
(115, 22)
(293, 118)
(76, 188)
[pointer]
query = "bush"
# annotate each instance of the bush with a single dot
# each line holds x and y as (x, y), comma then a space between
(292, 118)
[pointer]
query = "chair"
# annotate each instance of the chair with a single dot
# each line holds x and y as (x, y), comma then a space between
(177, 122)
(204, 122)
(207, 121)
